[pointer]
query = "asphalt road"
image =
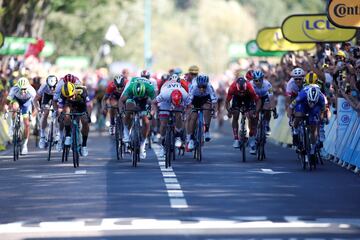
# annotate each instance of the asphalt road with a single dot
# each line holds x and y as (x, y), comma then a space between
(219, 198)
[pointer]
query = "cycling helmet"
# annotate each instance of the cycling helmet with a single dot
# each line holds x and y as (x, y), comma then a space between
(249, 75)
(145, 74)
(258, 75)
(241, 84)
(23, 83)
(139, 89)
(297, 72)
(194, 69)
(202, 80)
(68, 89)
(165, 77)
(70, 78)
(176, 97)
(119, 81)
(177, 71)
(313, 95)
(51, 81)
(340, 53)
(311, 78)
(174, 77)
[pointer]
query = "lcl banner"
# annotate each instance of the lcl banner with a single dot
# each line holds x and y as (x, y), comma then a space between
(312, 28)
(271, 39)
(344, 13)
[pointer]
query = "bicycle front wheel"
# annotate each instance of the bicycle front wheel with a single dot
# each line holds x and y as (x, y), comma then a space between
(50, 140)
(75, 148)
(16, 145)
(117, 141)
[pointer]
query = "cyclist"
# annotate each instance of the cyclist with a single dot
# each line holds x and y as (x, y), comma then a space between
(202, 95)
(242, 95)
(67, 78)
(45, 95)
(264, 90)
(295, 84)
(146, 74)
(249, 75)
(309, 101)
(172, 97)
(135, 97)
(192, 74)
(165, 77)
(312, 80)
(74, 98)
(112, 95)
(21, 97)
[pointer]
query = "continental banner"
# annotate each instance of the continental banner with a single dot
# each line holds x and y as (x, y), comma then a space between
(344, 13)
(271, 39)
(312, 28)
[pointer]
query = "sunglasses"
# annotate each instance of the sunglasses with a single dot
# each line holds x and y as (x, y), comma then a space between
(23, 89)
(298, 79)
(257, 80)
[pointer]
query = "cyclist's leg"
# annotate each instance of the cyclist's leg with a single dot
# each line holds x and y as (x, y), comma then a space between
(26, 112)
(114, 103)
(129, 105)
(66, 119)
(267, 114)
(253, 129)
(207, 120)
(85, 120)
(163, 123)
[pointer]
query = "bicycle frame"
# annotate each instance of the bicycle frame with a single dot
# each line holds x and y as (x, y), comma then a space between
(243, 131)
(135, 137)
(199, 141)
(75, 136)
(17, 134)
(170, 137)
(119, 144)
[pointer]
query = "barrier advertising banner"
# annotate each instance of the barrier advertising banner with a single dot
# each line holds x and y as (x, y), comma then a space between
(344, 13)
(344, 113)
(271, 39)
(252, 49)
(312, 28)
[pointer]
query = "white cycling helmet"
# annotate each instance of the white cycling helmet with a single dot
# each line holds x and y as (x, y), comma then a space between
(297, 72)
(313, 95)
(174, 77)
(51, 81)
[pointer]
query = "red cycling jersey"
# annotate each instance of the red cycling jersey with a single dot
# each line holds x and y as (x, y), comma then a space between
(111, 90)
(249, 94)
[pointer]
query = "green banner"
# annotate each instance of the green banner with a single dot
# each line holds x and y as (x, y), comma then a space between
(237, 50)
(18, 46)
(253, 50)
(72, 62)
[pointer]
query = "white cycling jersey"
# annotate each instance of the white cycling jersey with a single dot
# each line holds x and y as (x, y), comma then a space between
(291, 88)
(265, 89)
(59, 86)
(164, 98)
(16, 94)
(195, 92)
(44, 89)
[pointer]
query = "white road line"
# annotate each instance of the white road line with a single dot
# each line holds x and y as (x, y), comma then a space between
(80, 172)
(176, 195)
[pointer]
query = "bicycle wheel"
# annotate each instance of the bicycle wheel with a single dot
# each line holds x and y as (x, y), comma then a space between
(136, 147)
(243, 150)
(117, 142)
(199, 143)
(121, 143)
(168, 147)
(50, 140)
(15, 144)
(65, 154)
(74, 148)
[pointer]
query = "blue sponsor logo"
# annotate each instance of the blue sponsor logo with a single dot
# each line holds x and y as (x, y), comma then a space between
(345, 119)
(345, 105)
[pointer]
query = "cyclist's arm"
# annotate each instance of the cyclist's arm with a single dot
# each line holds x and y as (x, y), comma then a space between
(36, 101)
